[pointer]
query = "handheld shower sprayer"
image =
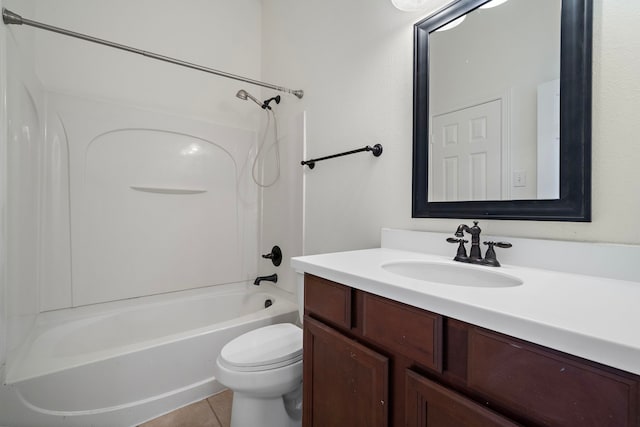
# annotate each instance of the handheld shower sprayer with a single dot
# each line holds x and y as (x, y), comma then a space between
(244, 95)
(261, 153)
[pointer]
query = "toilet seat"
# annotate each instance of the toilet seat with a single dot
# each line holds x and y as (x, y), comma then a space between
(264, 348)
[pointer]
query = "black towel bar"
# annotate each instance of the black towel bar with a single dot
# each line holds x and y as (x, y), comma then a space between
(376, 151)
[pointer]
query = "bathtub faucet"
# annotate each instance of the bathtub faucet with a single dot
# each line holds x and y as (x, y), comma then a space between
(273, 278)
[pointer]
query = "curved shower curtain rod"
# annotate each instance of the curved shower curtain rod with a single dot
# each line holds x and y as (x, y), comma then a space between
(9, 17)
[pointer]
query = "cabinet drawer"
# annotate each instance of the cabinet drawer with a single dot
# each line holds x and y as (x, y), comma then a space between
(400, 328)
(327, 300)
(549, 388)
(428, 404)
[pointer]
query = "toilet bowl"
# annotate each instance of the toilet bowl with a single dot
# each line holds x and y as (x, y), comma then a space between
(264, 369)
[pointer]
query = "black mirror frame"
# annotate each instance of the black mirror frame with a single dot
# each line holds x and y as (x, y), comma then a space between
(574, 203)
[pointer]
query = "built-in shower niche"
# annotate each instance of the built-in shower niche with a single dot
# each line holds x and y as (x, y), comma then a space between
(158, 203)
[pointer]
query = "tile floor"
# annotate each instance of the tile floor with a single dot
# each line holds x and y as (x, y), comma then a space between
(214, 411)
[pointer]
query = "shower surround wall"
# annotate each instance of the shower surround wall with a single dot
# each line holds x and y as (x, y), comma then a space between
(158, 203)
(125, 177)
(200, 32)
(21, 148)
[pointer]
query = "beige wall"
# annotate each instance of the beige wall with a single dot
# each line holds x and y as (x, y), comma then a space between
(354, 61)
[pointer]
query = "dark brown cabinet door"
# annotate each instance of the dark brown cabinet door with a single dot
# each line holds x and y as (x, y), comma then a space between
(428, 404)
(345, 383)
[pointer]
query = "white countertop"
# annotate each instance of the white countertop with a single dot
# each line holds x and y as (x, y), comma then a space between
(596, 318)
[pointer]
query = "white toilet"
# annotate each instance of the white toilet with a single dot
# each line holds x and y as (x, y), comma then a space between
(264, 369)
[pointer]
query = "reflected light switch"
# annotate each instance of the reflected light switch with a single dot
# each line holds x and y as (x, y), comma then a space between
(519, 179)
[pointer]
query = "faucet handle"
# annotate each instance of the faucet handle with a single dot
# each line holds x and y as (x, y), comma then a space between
(461, 255)
(452, 240)
(490, 256)
(275, 256)
(502, 244)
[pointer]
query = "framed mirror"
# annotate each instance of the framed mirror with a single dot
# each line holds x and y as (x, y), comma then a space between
(502, 111)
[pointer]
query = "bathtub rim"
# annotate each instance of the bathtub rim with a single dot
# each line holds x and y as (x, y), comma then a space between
(285, 302)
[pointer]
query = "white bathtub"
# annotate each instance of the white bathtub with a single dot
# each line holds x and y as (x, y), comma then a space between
(119, 364)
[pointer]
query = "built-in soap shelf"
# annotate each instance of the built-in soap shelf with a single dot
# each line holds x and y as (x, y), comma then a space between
(167, 190)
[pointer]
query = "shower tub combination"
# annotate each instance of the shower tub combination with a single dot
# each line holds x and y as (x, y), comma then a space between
(163, 242)
(125, 362)
(159, 214)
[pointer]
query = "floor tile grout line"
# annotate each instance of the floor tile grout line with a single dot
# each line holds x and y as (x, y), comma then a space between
(214, 411)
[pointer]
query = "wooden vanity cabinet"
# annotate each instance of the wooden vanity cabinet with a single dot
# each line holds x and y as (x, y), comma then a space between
(370, 361)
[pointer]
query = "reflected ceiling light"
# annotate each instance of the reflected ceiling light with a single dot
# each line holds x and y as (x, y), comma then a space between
(493, 3)
(415, 5)
(452, 24)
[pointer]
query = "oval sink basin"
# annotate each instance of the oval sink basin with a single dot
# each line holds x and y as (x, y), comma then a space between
(452, 274)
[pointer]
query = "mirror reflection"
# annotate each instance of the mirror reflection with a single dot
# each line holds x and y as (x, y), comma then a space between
(494, 104)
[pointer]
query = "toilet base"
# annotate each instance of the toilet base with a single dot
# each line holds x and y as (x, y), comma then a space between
(282, 411)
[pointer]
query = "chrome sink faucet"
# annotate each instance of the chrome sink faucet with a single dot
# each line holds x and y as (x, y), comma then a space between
(475, 255)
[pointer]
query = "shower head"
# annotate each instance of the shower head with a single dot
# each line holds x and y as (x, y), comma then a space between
(266, 102)
(244, 95)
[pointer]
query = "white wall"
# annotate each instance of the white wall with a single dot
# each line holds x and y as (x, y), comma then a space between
(354, 61)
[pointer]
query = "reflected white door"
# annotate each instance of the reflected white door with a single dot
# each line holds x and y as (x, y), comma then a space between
(465, 154)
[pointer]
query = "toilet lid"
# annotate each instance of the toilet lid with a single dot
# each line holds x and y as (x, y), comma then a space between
(264, 347)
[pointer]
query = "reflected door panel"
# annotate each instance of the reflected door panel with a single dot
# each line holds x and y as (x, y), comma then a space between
(466, 154)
